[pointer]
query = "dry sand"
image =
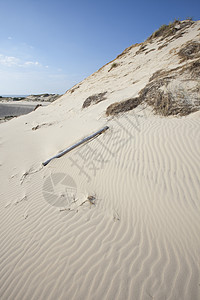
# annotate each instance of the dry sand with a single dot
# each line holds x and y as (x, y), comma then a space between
(139, 236)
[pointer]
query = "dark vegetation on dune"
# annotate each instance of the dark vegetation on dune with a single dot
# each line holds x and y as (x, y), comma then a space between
(166, 31)
(159, 92)
(94, 99)
(161, 98)
(123, 106)
(114, 65)
(190, 50)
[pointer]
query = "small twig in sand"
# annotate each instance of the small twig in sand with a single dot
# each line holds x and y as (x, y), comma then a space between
(91, 199)
(116, 216)
(20, 200)
(23, 177)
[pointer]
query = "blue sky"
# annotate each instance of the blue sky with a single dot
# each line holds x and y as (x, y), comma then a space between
(48, 46)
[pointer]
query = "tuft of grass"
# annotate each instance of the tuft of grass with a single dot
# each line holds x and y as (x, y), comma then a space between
(94, 99)
(169, 30)
(194, 69)
(141, 49)
(190, 50)
(122, 106)
(163, 28)
(161, 97)
(166, 103)
(75, 88)
(128, 49)
(91, 199)
(114, 65)
(190, 18)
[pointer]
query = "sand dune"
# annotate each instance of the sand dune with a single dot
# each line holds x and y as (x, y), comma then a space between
(116, 218)
(141, 237)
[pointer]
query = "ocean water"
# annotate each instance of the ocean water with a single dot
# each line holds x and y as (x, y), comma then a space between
(14, 95)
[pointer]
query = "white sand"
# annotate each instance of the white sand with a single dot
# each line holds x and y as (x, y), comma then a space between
(141, 237)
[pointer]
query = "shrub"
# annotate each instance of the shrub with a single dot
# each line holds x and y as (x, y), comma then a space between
(123, 106)
(94, 99)
(190, 50)
(114, 65)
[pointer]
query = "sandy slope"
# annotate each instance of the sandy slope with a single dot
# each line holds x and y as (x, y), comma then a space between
(140, 238)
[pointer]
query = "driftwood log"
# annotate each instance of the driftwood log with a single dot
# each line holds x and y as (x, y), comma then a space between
(76, 145)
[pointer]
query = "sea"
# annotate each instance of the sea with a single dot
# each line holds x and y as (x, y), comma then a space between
(12, 96)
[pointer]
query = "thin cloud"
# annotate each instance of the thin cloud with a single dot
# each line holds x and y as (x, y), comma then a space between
(11, 61)
(32, 63)
(8, 61)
